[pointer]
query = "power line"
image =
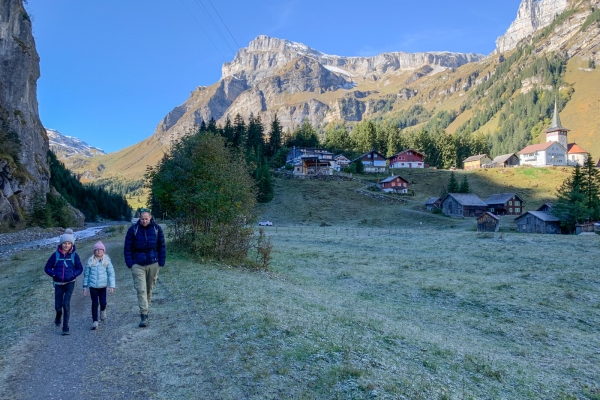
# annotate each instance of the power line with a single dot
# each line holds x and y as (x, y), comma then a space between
(213, 43)
(215, 25)
(219, 15)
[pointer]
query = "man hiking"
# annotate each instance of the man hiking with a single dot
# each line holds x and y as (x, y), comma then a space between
(144, 253)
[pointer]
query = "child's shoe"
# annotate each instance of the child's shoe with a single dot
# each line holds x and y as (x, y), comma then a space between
(103, 315)
(66, 332)
(95, 326)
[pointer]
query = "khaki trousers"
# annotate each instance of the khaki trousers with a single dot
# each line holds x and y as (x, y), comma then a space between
(144, 279)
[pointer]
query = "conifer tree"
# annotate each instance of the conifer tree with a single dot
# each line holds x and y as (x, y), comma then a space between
(591, 187)
(274, 137)
(264, 183)
(255, 133)
(464, 185)
(239, 131)
(570, 207)
(212, 126)
(228, 131)
(453, 186)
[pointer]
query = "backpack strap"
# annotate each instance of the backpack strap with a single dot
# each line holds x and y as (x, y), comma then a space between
(57, 258)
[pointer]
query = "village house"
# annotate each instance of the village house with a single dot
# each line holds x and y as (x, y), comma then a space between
(432, 203)
(505, 204)
(506, 160)
(373, 162)
(477, 161)
(556, 151)
(488, 222)
(341, 162)
(308, 161)
(463, 205)
(407, 159)
(543, 154)
(538, 222)
(396, 184)
(546, 207)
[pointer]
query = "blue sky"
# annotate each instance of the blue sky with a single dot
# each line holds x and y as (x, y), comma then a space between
(112, 69)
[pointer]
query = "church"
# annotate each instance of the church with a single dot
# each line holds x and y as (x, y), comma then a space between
(556, 150)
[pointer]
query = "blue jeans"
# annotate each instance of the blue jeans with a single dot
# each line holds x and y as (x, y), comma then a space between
(62, 302)
(98, 295)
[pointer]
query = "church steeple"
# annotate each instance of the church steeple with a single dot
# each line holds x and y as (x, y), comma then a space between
(556, 118)
(556, 132)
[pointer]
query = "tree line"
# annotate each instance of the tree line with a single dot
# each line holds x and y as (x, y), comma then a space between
(92, 200)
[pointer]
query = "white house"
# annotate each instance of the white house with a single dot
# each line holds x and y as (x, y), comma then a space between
(543, 154)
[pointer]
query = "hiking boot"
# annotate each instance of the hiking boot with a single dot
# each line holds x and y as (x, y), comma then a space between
(58, 318)
(95, 326)
(144, 321)
(103, 315)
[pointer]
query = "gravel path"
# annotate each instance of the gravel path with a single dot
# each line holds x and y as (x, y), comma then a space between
(86, 364)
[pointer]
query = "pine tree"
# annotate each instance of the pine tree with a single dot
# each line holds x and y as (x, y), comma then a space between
(228, 131)
(570, 207)
(464, 186)
(274, 137)
(239, 131)
(264, 183)
(453, 186)
(255, 133)
(591, 187)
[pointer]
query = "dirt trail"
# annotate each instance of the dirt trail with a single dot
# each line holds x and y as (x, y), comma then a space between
(85, 364)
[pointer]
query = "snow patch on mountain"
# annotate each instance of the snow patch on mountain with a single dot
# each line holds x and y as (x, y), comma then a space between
(68, 146)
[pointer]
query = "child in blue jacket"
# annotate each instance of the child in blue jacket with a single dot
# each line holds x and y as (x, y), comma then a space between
(64, 266)
(97, 275)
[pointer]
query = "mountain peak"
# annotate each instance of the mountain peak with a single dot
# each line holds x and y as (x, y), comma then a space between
(532, 16)
(67, 146)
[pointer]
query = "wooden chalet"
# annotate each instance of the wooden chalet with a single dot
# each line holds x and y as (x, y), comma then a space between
(341, 161)
(373, 162)
(546, 207)
(586, 227)
(538, 222)
(505, 204)
(433, 202)
(308, 161)
(488, 222)
(396, 184)
(506, 160)
(407, 159)
(477, 161)
(462, 205)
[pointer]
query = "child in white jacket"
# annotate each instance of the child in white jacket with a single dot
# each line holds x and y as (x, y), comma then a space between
(98, 274)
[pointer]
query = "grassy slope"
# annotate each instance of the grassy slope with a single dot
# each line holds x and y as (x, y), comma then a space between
(393, 309)
(336, 203)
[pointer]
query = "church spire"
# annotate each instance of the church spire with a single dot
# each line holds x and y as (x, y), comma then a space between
(556, 118)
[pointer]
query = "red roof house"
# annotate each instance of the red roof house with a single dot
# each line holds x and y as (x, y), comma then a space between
(409, 158)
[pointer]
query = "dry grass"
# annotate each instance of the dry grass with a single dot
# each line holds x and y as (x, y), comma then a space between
(419, 313)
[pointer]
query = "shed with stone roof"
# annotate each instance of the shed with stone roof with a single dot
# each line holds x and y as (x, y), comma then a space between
(462, 205)
(538, 222)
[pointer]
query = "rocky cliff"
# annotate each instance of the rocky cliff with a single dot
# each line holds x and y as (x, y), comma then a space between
(532, 16)
(275, 75)
(23, 164)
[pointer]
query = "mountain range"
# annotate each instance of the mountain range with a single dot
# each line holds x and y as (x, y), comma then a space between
(277, 76)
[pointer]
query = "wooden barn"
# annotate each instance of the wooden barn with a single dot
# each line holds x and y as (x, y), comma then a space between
(505, 204)
(433, 202)
(538, 222)
(546, 207)
(488, 222)
(477, 161)
(395, 184)
(506, 160)
(462, 205)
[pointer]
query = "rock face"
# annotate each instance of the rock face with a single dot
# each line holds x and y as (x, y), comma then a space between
(20, 125)
(280, 76)
(67, 146)
(532, 16)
